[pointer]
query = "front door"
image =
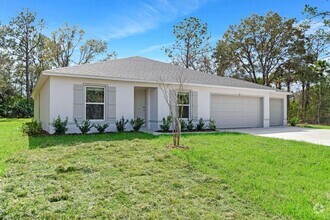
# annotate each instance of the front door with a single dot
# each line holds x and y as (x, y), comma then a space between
(140, 104)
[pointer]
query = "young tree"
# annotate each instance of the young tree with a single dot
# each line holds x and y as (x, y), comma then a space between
(23, 35)
(258, 46)
(191, 48)
(173, 95)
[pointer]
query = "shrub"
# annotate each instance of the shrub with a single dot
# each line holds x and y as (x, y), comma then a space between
(200, 125)
(212, 125)
(32, 128)
(101, 127)
(85, 126)
(60, 126)
(16, 107)
(190, 125)
(293, 121)
(137, 124)
(121, 124)
(183, 125)
(165, 126)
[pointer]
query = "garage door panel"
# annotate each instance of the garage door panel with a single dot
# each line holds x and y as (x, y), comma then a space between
(276, 112)
(236, 111)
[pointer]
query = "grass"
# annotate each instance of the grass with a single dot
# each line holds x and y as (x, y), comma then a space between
(11, 139)
(314, 126)
(285, 177)
(132, 175)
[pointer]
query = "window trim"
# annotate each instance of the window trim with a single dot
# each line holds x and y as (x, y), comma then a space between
(183, 105)
(95, 103)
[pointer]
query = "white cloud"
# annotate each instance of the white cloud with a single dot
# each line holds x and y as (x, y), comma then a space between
(146, 16)
(314, 25)
(155, 47)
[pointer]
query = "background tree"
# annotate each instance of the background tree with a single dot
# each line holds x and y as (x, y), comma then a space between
(63, 44)
(25, 52)
(23, 35)
(91, 49)
(191, 48)
(257, 47)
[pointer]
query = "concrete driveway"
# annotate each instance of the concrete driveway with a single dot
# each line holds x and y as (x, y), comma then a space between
(315, 136)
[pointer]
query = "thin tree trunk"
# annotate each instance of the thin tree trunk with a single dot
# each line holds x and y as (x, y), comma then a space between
(27, 80)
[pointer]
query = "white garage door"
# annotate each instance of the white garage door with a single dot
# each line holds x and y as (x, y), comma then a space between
(276, 112)
(236, 111)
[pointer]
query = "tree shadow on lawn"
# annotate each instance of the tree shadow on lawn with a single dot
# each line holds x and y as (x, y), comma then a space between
(74, 139)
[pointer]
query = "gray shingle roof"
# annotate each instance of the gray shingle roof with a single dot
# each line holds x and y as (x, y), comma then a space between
(139, 68)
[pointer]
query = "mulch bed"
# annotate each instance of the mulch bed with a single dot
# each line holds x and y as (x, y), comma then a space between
(193, 131)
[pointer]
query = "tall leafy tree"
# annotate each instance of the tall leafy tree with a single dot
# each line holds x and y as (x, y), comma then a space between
(23, 36)
(314, 12)
(257, 47)
(66, 40)
(191, 48)
(91, 49)
(63, 44)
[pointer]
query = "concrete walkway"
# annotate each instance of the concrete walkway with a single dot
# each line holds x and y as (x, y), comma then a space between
(311, 135)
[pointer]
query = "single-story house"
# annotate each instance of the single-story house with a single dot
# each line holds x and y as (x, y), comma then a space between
(104, 92)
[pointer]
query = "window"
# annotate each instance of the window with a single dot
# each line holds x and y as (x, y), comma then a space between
(184, 104)
(95, 103)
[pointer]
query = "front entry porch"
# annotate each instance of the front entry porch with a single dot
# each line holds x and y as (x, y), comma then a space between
(146, 106)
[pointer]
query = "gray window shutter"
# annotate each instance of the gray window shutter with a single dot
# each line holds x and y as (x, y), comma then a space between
(194, 105)
(111, 104)
(78, 102)
(173, 102)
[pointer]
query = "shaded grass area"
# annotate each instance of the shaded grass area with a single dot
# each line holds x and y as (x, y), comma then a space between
(314, 126)
(74, 139)
(11, 139)
(285, 177)
(128, 179)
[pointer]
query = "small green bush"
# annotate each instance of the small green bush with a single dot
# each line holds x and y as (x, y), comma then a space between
(60, 126)
(33, 128)
(165, 126)
(200, 125)
(85, 126)
(212, 125)
(183, 125)
(121, 124)
(137, 124)
(293, 121)
(190, 125)
(101, 127)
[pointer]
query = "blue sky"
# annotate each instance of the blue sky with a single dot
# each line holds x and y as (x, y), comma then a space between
(141, 28)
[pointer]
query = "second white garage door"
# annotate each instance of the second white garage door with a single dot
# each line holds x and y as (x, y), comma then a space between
(276, 112)
(236, 111)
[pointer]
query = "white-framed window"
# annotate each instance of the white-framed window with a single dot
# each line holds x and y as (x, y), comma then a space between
(95, 103)
(183, 100)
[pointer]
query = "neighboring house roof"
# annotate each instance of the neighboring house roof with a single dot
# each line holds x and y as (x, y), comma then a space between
(143, 69)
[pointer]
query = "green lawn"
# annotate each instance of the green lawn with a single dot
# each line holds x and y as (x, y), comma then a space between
(132, 175)
(314, 126)
(11, 139)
